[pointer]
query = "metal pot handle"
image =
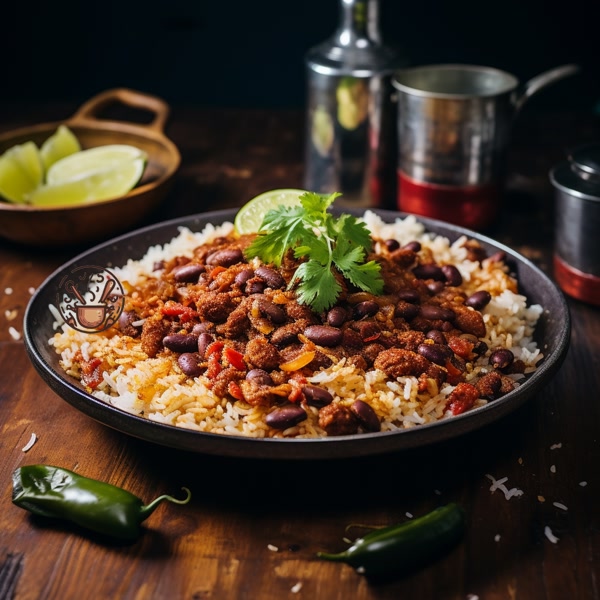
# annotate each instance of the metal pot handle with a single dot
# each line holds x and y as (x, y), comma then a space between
(534, 85)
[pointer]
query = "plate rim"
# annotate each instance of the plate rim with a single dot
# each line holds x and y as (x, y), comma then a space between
(180, 438)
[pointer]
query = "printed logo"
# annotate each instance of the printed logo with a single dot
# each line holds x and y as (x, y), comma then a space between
(90, 299)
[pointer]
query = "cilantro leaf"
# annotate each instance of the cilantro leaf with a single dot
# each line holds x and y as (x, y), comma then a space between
(326, 243)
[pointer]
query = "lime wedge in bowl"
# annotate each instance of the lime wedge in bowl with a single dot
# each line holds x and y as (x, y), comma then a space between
(101, 159)
(60, 144)
(93, 185)
(249, 218)
(21, 172)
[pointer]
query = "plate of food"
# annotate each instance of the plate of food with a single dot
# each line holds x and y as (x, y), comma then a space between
(328, 334)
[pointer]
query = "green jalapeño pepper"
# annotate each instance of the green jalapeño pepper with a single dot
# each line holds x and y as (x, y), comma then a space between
(404, 547)
(101, 507)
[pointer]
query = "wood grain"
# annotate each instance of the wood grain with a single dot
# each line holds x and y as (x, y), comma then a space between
(253, 528)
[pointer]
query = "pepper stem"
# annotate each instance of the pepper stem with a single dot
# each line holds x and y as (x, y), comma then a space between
(148, 509)
(340, 557)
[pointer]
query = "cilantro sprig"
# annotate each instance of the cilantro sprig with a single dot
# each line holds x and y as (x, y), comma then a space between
(327, 244)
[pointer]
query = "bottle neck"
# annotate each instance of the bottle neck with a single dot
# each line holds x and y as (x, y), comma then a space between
(359, 23)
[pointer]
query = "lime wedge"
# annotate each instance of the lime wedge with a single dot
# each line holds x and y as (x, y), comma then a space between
(102, 159)
(21, 171)
(111, 182)
(62, 143)
(251, 215)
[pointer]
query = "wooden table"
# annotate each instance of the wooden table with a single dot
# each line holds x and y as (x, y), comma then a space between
(253, 528)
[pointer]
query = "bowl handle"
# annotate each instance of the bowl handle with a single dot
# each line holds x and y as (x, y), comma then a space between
(91, 108)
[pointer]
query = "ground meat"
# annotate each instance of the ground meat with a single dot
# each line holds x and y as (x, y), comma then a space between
(397, 362)
(337, 419)
(462, 398)
(261, 354)
(434, 372)
(508, 385)
(296, 311)
(371, 352)
(214, 306)
(224, 378)
(256, 394)
(153, 332)
(409, 340)
(489, 385)
(288, 334)
(237, 323)
(320, 361)
(352, 340)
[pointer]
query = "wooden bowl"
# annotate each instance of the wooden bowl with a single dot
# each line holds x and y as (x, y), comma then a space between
(82, 223)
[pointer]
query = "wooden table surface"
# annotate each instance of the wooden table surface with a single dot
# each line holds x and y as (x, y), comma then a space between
(252, 528)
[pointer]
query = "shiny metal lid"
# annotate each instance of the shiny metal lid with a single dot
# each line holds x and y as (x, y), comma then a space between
(580, 176)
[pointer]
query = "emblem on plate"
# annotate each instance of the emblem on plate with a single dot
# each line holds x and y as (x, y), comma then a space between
(90, 298)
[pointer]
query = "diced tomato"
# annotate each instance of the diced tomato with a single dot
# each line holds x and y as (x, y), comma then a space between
(214, 365)
(235, 359)
(454, 374)
(215, 348)
(176, 309)
(235, 390)
(462, 398)
(91, 372)
(461, 347)
(372, 338)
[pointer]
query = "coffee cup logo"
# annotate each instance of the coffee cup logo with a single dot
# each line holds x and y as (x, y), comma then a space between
(90, 299)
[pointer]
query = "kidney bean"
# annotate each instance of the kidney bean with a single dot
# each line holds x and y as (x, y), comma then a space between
(452, 275)
(406, 310)
(324, 335)
(435, 287)
(437, 336)
(189, 363)
(337, 316)
(259, 376)
(285, 416)
(242, 277)
(255, 286)
(271, 277)
(480, 348)
(365, 309)
(204, 341)
(127, 318)
(316, 396)
(188, 273)
(181, 342)
(409, 295)
(435, 312)
(501, 358)
(225, 257)
(203, 327)
(366, 415)
(429, 271)
(392, 245)
(478, 300)
(275, 313)
(414, 246)
(436, 353)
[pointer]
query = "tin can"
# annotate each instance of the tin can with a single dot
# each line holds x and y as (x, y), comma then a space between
(577, 223)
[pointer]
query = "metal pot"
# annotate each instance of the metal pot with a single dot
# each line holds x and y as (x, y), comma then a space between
(577, 223)
(454, 125)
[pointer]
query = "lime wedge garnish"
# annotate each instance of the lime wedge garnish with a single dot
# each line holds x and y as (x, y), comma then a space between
(21, 171)
(101, 159)
(60, 144)
(112, 181)
(251, 215)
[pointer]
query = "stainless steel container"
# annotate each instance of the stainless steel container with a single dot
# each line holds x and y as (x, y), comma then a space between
(351, 123)
(577, 223)
(454, 125)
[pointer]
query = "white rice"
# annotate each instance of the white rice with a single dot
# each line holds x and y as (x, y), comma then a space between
(157, 389)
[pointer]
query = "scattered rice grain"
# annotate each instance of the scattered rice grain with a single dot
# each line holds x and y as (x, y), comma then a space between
(296, 588)
(272, 548)
(553, 469)
(498, 484)
(548, 533)
(14, 334)
(560, 505)
(556, 446)
(30, 443)
(8, 291)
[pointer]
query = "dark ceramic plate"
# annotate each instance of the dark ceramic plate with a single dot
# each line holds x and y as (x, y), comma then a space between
(552, 336)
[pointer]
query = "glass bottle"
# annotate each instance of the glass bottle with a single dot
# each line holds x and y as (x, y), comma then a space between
(351, 122)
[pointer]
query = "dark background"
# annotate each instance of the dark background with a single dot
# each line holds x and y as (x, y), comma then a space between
(250, 54)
